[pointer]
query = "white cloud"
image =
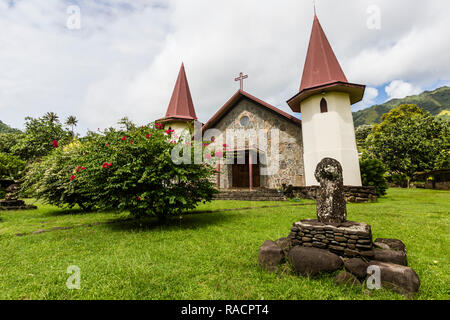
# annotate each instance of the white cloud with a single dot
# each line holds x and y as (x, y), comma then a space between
(125, 58)
(399, 89)
(369, 99)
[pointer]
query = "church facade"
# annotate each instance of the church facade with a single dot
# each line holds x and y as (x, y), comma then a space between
(267, 147)
(267, 140)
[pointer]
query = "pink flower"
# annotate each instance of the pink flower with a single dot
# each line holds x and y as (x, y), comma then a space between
(208, 156)
(219, 154)
(55, 144)
(106, 165)
(206, 144)
(169, 131)
(72, 178)
(107, 144)
(148, 136)
(80, 168)
(225, 145)
(159, 125)
(188, 144)
(124, 138)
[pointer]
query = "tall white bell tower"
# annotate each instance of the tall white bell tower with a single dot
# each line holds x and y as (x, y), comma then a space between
(324, 99)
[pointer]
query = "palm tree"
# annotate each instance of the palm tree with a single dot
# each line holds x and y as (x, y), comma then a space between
(72, 122)
(51, 117)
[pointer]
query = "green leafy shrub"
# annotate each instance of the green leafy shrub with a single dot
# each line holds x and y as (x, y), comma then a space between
(47, 179)
(373, 174)
(11, 167)
(41, 135)
(134, 171)
(123, 170)
(409, 140)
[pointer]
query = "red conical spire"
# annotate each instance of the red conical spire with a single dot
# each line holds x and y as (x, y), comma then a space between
(322, 72)
(181, 105)
(321, 65)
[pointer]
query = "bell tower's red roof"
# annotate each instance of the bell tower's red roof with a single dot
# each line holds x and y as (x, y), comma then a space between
(322, 71)
(321, 65)
(181, 106)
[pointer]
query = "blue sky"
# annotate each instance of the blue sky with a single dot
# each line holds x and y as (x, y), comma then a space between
(125, 57)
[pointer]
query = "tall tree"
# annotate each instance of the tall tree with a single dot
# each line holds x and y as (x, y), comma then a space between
(41, 137)
(72, 122)
(409, 140)
(51, 117)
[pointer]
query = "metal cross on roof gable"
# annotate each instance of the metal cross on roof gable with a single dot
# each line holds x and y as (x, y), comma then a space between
(241, 79)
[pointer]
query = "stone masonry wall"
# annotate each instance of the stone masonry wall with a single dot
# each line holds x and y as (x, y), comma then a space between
(291, 171)
(349, 239)
(351, 193)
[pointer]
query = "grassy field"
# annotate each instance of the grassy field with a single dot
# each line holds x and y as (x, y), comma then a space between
(209, 255)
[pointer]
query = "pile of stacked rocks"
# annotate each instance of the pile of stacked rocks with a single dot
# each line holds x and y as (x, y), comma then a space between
(350, 239)
(12, 202)
(331, 243)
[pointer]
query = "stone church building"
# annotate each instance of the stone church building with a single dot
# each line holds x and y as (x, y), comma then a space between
(326, 129)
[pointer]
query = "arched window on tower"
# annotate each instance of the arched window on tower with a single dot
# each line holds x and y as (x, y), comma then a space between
(323, 106)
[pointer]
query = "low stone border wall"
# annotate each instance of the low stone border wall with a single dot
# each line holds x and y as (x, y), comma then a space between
(349, 239)
(351, 193)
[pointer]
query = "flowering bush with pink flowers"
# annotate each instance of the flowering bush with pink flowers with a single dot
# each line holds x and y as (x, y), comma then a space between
(124, 170)
(53, 179)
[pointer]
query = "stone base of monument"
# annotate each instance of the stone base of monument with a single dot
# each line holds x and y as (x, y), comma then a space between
(349, 239)
(331, 243)
(349, 267)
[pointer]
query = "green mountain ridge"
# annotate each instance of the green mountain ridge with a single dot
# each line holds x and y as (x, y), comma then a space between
(4, 128)
(436, 102)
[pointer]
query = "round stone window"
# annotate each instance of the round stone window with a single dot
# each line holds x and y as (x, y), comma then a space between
(244, 121)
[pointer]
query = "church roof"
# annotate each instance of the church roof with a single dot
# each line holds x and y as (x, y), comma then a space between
(322, 71)
(236, 98)
(181, 106)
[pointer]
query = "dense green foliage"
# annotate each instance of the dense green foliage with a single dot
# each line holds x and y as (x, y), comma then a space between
(361, 134)
(373, 173)
(436, 102)
(49, 178)
(11, 167)
(125, 170)
(409, 140)
(9, 140)
(40, 137)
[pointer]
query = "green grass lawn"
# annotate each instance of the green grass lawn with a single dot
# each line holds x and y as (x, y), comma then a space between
(206, 255)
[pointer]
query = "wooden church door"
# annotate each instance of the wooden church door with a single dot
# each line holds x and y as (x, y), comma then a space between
(241, 175)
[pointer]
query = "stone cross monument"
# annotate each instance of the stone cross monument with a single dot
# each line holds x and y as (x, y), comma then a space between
(331, 205)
